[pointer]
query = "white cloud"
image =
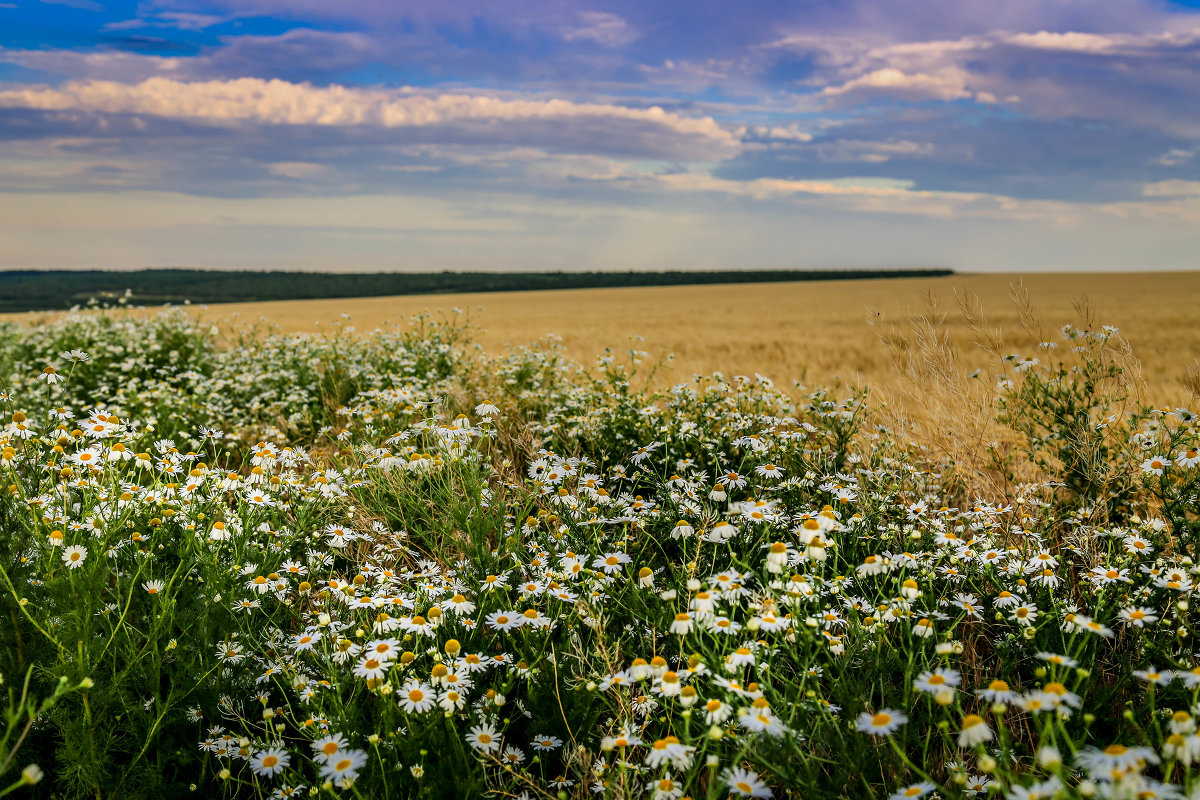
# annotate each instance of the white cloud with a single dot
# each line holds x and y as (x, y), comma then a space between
(168, 19)
(1145, 77)
(1175, 156)
(37, 176)
(872, 152)
(190, 22)
(1172, 188)
(236, 56)
(861, 194)
(947, 84)
(277, 102)
(604, 29)
(789, 133)
(884, 195)
(874, 195)
(1102, 44)
(694, 76)
(295, 169)
(116, 65)
(1070, 41)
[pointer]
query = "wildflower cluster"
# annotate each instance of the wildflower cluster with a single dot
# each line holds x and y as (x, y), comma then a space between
(387, 565)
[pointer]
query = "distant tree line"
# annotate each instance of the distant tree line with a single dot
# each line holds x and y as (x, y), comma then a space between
(45, 290)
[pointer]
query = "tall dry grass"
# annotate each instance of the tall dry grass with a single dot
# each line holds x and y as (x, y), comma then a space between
(931, 396)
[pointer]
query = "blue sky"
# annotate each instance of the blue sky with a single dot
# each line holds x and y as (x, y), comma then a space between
(393, 134)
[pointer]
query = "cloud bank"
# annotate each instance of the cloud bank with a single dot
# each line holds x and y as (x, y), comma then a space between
(953, 132)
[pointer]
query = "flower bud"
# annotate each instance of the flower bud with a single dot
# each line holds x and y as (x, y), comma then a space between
(1049, 757)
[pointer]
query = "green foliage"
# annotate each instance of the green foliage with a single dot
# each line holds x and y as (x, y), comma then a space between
(1064, 411)
(515, 576)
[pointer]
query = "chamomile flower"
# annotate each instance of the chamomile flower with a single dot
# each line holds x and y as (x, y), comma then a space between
(913, 791)
(371, 667)
(546, 743)
(1114, 760)
(328, 747)
(937, 681)
(452, 700)
(1024, 614)
(344, 767)
(1154, 676)
(484, 738)
(270, 762)
(716, 711)
(383, 649)
(665, 788)
(74, 556)
(1058, 660)
(416, 697)
(611, 563)
(671, 751)
(1106, 576)
(744, 783)
(1139, 616)
(974, 731)
(1155, 465)
(884, 722)
(505, 620)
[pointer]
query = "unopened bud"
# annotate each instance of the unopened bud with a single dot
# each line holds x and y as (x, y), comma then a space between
(1049, 757)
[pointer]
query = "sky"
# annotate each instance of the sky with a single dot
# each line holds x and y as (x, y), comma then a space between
(600, 134)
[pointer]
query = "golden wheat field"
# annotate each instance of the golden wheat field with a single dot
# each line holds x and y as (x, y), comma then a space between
(814, 332)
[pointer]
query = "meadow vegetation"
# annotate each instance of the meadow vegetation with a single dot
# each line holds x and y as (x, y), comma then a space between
(246, 563)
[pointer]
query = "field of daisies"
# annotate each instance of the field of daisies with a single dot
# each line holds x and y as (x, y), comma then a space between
(387, 565)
